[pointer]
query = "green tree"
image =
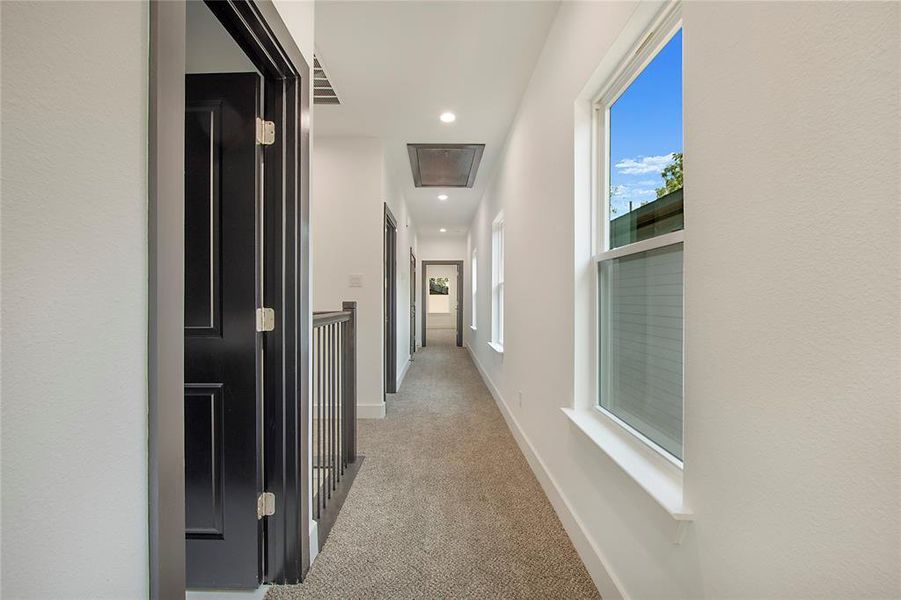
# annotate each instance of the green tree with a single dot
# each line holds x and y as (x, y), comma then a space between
(672, 176)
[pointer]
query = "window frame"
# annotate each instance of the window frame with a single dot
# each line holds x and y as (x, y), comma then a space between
(474, 288)
(497, 283)
(629, 70)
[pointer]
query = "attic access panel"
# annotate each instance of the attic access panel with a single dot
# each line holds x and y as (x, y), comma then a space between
(445, 165)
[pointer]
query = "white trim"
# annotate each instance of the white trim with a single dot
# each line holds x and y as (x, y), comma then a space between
(655, 473)
(371, 411)
(664, 24)
(668, 22)
(497, 281)
(257, 594)
(643, 38)
(314, 539)
(592, 557)
(474, 288)
(403, 373)
(605, 414)
(667, 239)
(499, 348)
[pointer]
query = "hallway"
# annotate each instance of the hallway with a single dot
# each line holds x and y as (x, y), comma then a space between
(444, 505)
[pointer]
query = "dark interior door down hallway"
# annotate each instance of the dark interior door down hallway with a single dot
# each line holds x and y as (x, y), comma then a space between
(442, 298)
(390, 302)
(412, 304)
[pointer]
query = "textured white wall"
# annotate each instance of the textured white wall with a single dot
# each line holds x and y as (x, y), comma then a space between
(74, 299)
(792, 252)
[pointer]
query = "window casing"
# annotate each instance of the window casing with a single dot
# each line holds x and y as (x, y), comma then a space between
(497, 282)
(474, 268)
(639, 245)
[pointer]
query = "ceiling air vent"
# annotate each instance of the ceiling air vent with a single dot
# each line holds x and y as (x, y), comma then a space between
(323, 92)
(445, 165)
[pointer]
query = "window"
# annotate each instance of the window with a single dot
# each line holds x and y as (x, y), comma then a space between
(474, 268)
(497, 283)
(639, 241)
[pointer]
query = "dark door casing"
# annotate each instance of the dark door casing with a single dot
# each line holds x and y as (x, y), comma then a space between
(390, 273)
(222, 407)
(425, 291)
(412, 303)
(260, 31)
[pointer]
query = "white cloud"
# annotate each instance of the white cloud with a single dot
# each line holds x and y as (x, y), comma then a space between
(634, 192)
(644, 164)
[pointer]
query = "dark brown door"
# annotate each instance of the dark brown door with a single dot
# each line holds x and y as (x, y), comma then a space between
(412, 303)
(222, 415)
(390, 247)
(460, 304)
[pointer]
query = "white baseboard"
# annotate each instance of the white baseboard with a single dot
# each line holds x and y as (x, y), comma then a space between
(403, 373)
(257, 594)
(371, 411)
(314, 540)
(591, 555)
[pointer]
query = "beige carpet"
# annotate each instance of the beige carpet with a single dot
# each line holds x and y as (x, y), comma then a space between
(445, 505)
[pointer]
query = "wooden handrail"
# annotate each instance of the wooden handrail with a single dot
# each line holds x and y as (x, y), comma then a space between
(327, 317)
(334, 409)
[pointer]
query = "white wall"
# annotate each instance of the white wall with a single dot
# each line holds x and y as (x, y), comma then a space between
(74, 300)
(346, 231)
(792, 455)
(347, 217)
(444, 247)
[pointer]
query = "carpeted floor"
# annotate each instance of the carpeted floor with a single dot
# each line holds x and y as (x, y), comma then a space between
(445, 505)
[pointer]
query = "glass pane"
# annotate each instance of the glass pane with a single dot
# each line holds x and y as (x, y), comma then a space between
(645, 168)
(640, 326)
(500, 313)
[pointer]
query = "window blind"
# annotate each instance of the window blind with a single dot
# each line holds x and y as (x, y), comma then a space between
(640, 324)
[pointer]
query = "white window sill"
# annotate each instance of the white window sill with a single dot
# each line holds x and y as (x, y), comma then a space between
(656, 475)
(499, 348)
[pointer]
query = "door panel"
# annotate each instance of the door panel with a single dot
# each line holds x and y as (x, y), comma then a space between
(222, 408)
(459, 307)
(203, 498)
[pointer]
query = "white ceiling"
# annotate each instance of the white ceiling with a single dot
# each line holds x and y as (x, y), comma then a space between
(396, 66)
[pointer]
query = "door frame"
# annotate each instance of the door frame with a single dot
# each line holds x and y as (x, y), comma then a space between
(257, 27)
(390, 303)
(412, 303)
(424, 309)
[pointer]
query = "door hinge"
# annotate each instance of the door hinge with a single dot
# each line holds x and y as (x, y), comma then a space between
(265, 505)
(265, 319)
(265, 132)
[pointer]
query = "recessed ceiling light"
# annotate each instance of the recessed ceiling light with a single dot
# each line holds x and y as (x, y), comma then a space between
(443, 230)
(448, 117)
(442, 196)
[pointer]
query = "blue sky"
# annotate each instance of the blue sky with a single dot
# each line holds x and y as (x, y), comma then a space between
(646, 128)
